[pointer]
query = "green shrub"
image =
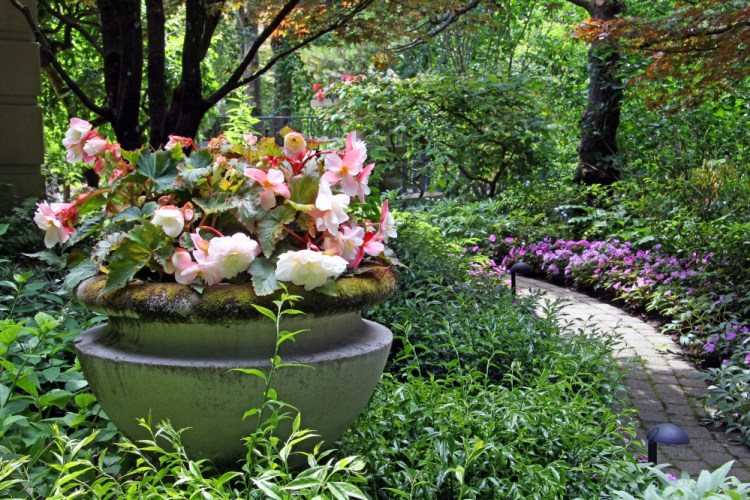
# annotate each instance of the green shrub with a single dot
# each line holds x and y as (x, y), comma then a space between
(461, 133)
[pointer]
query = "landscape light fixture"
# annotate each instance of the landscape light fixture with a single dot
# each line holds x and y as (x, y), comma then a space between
(665, 434)
(521, 268)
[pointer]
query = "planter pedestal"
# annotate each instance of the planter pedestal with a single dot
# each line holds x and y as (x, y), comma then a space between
(170, 366)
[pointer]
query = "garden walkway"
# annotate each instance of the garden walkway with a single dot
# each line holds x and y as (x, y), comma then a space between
(663, 385)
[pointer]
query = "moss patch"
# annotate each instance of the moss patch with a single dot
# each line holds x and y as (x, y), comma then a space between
(230, 302)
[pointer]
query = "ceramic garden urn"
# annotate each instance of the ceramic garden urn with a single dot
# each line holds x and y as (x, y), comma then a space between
(168, 352)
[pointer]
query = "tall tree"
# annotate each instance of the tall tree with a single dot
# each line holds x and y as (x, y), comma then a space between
(178, 109)
(702, 44)
(597, 148)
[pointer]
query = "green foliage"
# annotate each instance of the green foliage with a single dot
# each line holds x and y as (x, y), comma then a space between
(440, 126)
(483, 397)
(240, 119)
(22, 235)
(714, 484)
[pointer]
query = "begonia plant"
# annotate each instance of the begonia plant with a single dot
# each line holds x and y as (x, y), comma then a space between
(254, 212)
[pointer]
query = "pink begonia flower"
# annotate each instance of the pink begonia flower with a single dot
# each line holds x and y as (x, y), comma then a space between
(344, 169)
(333, 207)
(95, 146)
(294, 144)
(309, 268)
(272, 183)
(250, 139)
(373, 244)
(75, 140)
(387, 227)
(186, 270)
(233, 254)
(171, 219)
(183, 142)
(362, 188)
(201, 247)
(347, 243)
(57, 221)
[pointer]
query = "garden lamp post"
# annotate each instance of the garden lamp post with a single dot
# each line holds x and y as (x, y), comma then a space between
(664, 434)
(521, 268)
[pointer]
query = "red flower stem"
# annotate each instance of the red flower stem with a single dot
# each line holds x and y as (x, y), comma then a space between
(209, 228)
(292, 233)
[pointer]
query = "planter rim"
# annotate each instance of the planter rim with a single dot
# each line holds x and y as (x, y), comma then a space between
(173, 302)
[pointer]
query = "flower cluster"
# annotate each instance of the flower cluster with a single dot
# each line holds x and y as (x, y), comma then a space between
(221, 212)
(323, 91)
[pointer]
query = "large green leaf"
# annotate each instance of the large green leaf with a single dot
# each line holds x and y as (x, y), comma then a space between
(193, 177)
(85, 269)
(215, 204)
(264, 276)
(271, 228)
(143, 245)
(88, 227)
(200, 159)
(303, 189)
(160, 167)
(196, 168)
(248, 209)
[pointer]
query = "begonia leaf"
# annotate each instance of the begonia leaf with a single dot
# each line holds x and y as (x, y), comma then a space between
(271, 228)
(82, 271)
(142, 245)
(160, 167)
(215, 204)
(263, 273)
(303, 189)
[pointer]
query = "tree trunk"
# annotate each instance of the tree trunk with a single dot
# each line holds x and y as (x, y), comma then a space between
(283, 85)
(156, 72)
(248, 22)
(598, 147)
(188, 105)
(122, 42)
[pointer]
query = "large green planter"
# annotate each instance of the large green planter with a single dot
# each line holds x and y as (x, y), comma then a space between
(167, 352)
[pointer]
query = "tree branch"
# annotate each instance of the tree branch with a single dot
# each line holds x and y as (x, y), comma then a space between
(448, 19)
(229, 86)
(584, 4)
(46, 49)
(69, 21)
(234, 79)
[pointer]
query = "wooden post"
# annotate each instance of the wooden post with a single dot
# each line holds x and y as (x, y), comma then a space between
(21, 144)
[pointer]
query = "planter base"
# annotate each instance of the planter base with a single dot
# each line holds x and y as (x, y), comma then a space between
(181, 372)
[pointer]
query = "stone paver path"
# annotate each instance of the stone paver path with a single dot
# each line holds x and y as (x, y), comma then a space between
(663, 385)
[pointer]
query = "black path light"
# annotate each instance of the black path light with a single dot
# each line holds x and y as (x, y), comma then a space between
(521, 268)
(664, 434)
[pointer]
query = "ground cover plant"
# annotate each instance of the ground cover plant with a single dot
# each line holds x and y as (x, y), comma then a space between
(479, 397)
(690, 271)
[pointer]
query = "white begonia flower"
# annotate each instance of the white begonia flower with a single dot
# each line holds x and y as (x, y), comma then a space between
(170, 219)
(388, 227)
(233, 254)
(333, 207)
(309, 268)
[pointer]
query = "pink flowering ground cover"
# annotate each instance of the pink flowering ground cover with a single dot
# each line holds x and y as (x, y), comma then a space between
(694, 295)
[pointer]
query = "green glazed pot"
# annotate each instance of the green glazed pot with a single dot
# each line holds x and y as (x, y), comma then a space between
(168, 352)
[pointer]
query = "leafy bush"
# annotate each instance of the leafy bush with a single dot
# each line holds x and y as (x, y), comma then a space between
(23, 236)
(480, 396)
(487, 397)
(454, 131)
(714, 484)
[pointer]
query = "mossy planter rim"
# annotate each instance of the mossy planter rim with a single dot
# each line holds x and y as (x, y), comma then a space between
(224, 302)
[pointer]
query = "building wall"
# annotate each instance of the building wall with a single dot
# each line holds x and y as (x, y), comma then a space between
(21, 144)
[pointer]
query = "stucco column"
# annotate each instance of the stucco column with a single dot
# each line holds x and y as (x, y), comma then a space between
(21, 144)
